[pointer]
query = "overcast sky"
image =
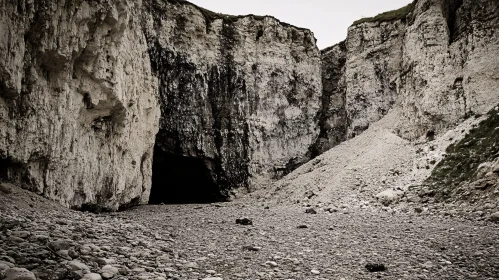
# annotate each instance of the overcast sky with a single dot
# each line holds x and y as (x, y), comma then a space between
(328, 19)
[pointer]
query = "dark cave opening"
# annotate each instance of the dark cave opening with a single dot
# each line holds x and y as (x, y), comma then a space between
(181, 180)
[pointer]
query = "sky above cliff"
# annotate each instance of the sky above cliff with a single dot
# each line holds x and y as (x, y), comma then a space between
(328, 19)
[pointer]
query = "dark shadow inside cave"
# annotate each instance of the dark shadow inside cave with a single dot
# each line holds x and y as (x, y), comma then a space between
(181, 180)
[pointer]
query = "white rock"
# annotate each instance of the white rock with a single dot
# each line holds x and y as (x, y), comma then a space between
(389, 196)
(91, 276)
(18, 274)
(77, 265)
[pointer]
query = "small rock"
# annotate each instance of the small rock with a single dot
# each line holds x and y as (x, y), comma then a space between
(251, 248)
(21, 234)
(315, 271)
(389, 196)
(107, 275)
(109, 269)
(191, 265)
(244, 222)
(310, 211)
(211, 272)
(73, 254)
(271, 263)
(332, 210)
(495, 217)
(17, 273)
(104, 261)
(91, 276)
(77, 265)
(375, 267)
(6, 188)
(59, 245)
(302, 226)
(213, 278)
(64, 254)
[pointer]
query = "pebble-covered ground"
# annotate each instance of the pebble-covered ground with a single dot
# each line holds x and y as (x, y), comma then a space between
(40, 239)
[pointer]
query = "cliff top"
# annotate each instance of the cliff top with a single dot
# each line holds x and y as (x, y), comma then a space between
(340, 45)
(390, 15)
(212, 16)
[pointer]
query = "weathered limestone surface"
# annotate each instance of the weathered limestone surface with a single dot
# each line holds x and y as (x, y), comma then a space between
(438, 63)
(374, 57)
(241, 93)
(80, 83)
(85, 86)
(450, 64)
(78, 112)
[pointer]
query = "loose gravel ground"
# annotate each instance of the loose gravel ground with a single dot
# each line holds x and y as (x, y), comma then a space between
(205, 242)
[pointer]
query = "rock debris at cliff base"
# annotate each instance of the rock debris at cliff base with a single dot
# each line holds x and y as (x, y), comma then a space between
(203, 241)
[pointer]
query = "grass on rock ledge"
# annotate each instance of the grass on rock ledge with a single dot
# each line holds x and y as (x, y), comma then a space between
(399, 14)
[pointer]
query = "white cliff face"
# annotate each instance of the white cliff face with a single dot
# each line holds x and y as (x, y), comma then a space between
(419, 74)
(450, 64)
(77, 102)
(85, 87)
(240, 93)
(80, 82)
(438, 63)
(374, 57)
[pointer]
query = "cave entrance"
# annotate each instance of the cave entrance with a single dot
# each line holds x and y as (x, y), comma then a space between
(181, 180)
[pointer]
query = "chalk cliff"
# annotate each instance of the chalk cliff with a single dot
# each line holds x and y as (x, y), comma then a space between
(92, 91)
(78, 112)
(241, 93)
(434, 59)
(83, 85)
(413, 82)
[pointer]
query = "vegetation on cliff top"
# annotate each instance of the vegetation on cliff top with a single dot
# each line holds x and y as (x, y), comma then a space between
(210, 16)
(399, 14)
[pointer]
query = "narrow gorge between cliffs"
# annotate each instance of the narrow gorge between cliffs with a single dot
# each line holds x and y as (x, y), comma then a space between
(158, 140)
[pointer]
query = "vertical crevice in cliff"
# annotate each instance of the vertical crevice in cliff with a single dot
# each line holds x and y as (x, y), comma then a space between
(332, 115)
(450, 12)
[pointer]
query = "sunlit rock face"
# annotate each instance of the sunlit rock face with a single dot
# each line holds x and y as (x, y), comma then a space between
(240, 93)
(78, 112)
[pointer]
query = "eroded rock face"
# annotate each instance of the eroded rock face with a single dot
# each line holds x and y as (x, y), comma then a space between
(438, 63)
(240, 93)
(77, 101)
(80, 80)
(374, 59)
(332, 116)
(450, 64)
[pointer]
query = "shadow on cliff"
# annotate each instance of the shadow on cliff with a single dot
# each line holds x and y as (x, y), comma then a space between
(181, 180)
